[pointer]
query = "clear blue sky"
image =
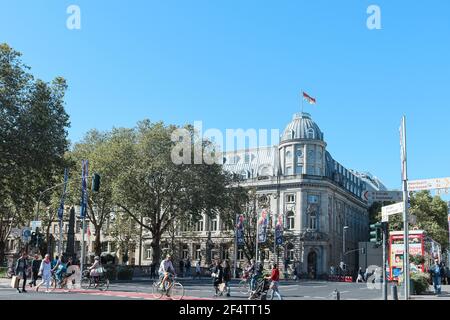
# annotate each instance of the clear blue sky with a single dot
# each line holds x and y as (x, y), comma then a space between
(242, 64)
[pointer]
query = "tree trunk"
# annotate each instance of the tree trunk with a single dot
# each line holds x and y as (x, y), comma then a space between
(156, 251)
(2, 251)
(97, 242)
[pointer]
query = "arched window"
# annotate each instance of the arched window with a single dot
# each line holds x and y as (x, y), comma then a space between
(288, 155)
(311, 134)
(290, 220)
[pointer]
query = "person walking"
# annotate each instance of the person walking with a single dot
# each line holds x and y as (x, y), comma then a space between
(252, 274)
(360, 277)
(217, 275)
(443, 274)
(35, 265)
(22, 267)
(275, 280)
(181, 266)
(45, 271)
(188, 268)
(198, 270)
(152, 270)
(435, 271)
(227, 277)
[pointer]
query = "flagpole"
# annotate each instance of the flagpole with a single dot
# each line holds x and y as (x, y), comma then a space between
(303, 102)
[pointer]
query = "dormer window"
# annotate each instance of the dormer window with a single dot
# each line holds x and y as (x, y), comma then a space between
(311, 134)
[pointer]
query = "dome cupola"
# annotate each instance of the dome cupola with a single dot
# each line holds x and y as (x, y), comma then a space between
(302, 127)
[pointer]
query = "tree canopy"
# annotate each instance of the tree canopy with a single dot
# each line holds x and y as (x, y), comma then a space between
(33, 139)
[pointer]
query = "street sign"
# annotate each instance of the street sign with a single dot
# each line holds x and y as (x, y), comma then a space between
(381, 196)
(26, 234)
(16, 232)
(429, 184)
(36, 224)
(391, 210)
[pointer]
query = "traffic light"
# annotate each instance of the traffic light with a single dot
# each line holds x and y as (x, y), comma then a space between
(376, 233)
(96, 182)
(33, 239)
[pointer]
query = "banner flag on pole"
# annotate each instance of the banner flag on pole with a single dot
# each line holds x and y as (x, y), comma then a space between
(263, 222)
(240, 230)
(279, 228)
(84, 175)
(63, 197)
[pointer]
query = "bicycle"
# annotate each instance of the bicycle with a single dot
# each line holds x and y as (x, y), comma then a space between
(173, 289)
(100, 282)
(244, 286)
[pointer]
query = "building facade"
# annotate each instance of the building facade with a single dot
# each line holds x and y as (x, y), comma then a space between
(320, 200)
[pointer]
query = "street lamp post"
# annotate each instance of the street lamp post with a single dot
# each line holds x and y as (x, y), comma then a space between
(344, 249)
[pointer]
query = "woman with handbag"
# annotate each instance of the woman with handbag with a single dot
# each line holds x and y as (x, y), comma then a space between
(21, 271)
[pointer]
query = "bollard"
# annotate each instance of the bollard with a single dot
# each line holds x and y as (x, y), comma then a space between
(337, 295)
(395, 293)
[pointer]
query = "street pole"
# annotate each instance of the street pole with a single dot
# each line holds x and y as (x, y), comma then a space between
(385, 283)
(343, 245)
(140, 242)
(257, 239)
(83, 253)
(60, 238)
(405, 210)
(235, 246)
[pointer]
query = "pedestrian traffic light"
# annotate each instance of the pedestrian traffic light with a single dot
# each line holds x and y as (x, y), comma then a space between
(96, 182)
(33, 239)
(376, 233)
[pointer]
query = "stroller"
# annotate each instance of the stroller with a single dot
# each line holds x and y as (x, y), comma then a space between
(262, 287)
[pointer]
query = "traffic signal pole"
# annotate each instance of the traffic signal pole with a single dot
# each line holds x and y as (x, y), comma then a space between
(385, 280)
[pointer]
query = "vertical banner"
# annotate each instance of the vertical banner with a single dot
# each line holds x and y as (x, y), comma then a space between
(240, 230)
(63, 197)
(279, 228)
(84, 175)
(263, 222)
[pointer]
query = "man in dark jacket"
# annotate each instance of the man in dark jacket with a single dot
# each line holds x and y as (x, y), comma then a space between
(35, 265)
(22, 266)
(217, 275)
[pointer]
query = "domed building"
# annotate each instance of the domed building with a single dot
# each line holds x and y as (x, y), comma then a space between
(321, 203)
(320, 200)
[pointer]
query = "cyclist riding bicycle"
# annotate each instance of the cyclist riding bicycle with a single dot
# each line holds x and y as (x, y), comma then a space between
(166, 271)
(58, 269)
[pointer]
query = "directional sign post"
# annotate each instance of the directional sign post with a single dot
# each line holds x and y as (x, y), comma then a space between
(429, 184)
(392, 210)
(35, 224)
(383, 196)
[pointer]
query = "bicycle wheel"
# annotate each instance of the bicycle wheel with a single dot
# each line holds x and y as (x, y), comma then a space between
(85, 283)
(244, 287)
(270, 295)
(157, 292)
(177, 291)
(104, 285)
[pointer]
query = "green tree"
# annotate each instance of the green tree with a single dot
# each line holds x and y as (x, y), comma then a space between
(431, 213)
(33, 139)
(150, 186)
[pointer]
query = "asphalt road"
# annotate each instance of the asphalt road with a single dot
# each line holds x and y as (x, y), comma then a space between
(203, 290)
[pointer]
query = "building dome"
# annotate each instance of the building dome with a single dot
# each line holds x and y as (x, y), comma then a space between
(302, 127)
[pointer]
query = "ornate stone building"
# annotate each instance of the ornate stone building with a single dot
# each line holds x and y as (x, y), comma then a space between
(320, 199)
